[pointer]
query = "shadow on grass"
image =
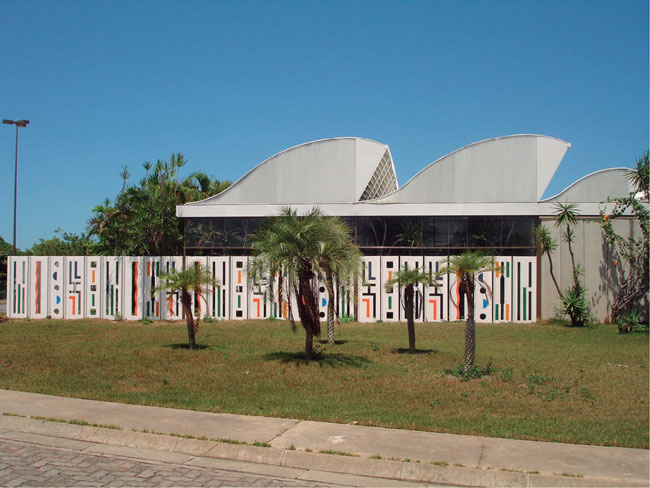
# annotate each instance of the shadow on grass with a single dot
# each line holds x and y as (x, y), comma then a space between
(402, 350)
(187, 346)
(335, 360)
(335, 342)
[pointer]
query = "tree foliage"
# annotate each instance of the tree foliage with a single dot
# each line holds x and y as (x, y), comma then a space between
(630, 253)
(298, 248)
(142, 220)
(62, 244)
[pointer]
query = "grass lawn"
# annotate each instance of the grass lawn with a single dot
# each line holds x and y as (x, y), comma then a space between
(548, 382)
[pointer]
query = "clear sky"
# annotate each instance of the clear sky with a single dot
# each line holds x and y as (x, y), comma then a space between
(231, 83)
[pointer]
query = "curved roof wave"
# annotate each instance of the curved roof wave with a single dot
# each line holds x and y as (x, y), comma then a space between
(596, 187)
(515, 168)
(338, 170)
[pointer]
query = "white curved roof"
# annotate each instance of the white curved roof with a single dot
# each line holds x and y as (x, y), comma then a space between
(515, 168)
(596, 187)
(338, 170)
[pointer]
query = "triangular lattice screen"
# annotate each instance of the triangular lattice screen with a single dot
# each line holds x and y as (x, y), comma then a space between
(383, 181)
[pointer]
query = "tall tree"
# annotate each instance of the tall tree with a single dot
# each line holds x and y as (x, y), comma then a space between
(191, 281)
(142, 219)
(408, 279)
(466, 267)
(630, 253)
(301, 246)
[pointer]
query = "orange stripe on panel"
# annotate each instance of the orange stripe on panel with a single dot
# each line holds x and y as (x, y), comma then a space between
(238, 276)
(257, 301)
(507, 311)
(367, 302)
(74, 303)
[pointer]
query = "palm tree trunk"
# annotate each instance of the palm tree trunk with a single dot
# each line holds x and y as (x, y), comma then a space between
(550, 268)
(408, 308)
(308, 309)
(186, 299)
(470, 326)
(329, 280)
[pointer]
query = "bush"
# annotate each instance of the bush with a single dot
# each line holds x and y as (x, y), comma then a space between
(574, 304)
(631, 322)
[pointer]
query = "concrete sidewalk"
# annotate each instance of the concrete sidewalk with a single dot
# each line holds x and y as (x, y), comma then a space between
(388, 453)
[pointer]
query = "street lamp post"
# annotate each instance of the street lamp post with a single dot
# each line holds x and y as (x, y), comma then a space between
(17, 123)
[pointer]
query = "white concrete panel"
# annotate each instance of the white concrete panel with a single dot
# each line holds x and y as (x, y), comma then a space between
(172, 309)
(112, 281)
(219, 298)
(483, 296)
(74, 287)
(133, 288)
(502, 289)
(369, 289)
(239, 287)
(525, 289)
(199, 301)
(152, 302)
(93, 290)
(390, 300)
(38, 287)
(436, 305)
(260, 299)
(57, 284)
(413, 262)
(18, 286)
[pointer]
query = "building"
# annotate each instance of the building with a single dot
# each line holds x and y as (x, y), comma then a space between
(485, 196)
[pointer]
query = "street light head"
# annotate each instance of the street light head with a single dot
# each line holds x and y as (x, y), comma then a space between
(5, 121)
(22, 123)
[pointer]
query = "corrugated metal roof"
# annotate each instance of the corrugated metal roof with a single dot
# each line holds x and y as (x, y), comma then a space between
(506, 169)
(325, 171)
(596, 187)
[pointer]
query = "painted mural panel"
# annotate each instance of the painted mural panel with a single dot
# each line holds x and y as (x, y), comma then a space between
(238, 287)
(18, 285)
(218, 298)
(93, 288)
(152, 303)
(413, 262)
(171, 303)
(436, 298)
(133, 284)
(390, 301)
(524, 293)
(483, 296)
(344, 299)
(260, 293)
(39, 286)
(74, 287)
(370, 289)
(502, 289)
(199, 301)
(57, 285)
(323, 297)
(112, 276)
(457, 299)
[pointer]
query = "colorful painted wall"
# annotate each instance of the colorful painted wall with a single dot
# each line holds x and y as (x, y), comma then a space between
(110, 286)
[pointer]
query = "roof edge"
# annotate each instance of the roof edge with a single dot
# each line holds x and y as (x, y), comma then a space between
(581, 179)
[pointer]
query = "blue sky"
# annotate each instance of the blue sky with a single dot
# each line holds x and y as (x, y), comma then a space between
(229, 84)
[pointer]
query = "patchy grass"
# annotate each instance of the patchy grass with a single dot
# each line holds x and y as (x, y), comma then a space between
(546, 382)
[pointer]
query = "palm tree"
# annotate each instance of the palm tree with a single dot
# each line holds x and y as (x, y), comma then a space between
(465, 267)
(408, 279)
(302, 246)
(547, 245)
(185, 282)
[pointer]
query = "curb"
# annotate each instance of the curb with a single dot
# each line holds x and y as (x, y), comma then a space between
(288, 458)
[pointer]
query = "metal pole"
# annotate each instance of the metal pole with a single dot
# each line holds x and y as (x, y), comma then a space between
(15, 189)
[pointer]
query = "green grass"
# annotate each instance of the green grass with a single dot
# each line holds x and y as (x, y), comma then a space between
(547, 382)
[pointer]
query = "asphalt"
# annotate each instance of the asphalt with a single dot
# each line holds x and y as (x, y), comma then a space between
(368, 453)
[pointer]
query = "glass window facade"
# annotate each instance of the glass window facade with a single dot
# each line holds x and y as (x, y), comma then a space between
(384, 235)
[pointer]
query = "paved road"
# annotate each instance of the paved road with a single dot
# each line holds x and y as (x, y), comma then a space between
(25, 464)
